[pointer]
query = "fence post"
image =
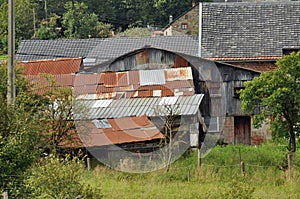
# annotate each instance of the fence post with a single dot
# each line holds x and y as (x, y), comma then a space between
(243, 168)
(88, 160)
(199, 164)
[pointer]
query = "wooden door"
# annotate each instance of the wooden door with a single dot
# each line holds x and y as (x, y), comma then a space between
(242, 130)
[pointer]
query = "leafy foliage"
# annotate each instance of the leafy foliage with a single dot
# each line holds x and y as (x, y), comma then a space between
(57, 115)
(19, 137)
(56, 178)
(79, 19)
(275, 95)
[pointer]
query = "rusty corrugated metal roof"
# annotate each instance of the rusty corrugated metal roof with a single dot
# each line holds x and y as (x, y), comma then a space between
(256, 66)
(123, 130)
(40, 84)
(51, 66)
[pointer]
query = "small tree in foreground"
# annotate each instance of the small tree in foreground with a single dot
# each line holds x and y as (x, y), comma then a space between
(276, 95)
(57, 178)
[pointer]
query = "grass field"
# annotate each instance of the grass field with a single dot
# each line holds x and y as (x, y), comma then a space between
(221, 177)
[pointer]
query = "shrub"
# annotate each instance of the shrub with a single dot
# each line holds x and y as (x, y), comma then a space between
(56, 178)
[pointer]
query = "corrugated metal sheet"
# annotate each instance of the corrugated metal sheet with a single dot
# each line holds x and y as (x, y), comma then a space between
(168, 101)
(86, 79)
(139, 84)
(41, 84)
(101, 103)
(152, 77)
(108, 79)
(134, 77)
(123, 130)
(84, 89)
(52, 66)
(185, 105)
(173, 74)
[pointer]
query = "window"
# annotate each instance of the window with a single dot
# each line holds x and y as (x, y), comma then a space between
(184, 26)
(186, 17)
(236, 92)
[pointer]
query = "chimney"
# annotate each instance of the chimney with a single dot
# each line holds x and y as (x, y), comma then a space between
(193, 4)
(170, 19)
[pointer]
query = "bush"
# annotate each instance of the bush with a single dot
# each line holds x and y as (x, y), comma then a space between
(56, 178)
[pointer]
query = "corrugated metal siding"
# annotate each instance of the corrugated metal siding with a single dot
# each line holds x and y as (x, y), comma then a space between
(173, 74)
(152, 77)
(186, 105)
(86, 79)
(143, 83)
(53, 66)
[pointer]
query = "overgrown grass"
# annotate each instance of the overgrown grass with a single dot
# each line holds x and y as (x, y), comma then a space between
(220, 177)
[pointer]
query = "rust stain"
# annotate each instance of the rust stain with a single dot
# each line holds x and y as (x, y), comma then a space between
(122, 79)
(141, 58)
(124, 130)
(51, 66)
(180, 62)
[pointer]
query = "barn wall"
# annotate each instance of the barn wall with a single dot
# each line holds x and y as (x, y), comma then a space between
(216, 80)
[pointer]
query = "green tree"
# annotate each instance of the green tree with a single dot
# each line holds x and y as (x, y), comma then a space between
(104, 30)
(57, 117)
(48, 28)
(275, 95)
(23, 20)
(19, 134)
(135, 32)
(78, 21)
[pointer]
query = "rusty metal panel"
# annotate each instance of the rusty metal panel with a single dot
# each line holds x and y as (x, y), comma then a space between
(167, 93)
(102, 89)
(179, 84)
(86, 79)
(108, 79)
(64, 79)
(85, 89)
(134, 77)
(52, 66)
(180, 62)
(172, 74)
(152, 77)
(141, 58)
(122, 79)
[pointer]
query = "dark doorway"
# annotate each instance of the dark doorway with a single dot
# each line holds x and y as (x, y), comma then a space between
(242, 130)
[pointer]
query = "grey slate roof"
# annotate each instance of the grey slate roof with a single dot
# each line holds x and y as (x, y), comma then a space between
(102, 50)
(255, 29)
(230, 30)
